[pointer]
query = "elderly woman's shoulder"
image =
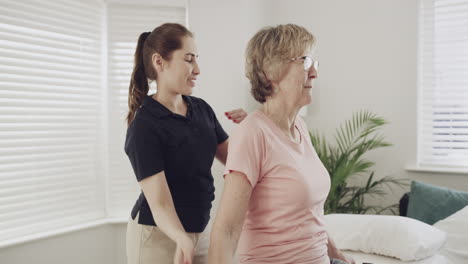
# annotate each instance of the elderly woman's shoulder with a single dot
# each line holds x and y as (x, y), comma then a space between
(252, 127)
(254, 121)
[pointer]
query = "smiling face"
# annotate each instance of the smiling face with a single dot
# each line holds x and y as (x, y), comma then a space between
(179, 74)
(296, 83)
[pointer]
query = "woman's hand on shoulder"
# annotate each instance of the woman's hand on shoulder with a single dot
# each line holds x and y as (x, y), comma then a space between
(236, 115)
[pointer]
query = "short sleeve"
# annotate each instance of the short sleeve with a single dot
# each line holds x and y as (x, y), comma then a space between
(246, 152)
(221, 135)
(144, 149)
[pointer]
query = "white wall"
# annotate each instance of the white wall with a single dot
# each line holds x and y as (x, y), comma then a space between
(222, 29)
(98, 245)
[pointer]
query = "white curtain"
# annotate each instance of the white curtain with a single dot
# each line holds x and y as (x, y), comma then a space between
(65, 67)
(50, 115)
(443, 83)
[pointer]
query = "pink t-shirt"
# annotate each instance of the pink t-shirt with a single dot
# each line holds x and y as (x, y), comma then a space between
(284, 222)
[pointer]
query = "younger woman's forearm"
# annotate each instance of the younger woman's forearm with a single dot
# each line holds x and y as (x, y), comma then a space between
(159, 198)
(166, 218)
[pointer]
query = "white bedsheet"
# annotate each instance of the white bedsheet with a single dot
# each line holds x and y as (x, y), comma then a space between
(361, 258)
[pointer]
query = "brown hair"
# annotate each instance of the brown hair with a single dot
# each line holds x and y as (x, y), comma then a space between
(268, 51)
(164, 40)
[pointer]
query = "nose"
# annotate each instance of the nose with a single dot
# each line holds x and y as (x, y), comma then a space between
(312, 73)
(196, 69)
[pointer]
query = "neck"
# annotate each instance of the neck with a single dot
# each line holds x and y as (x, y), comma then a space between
(281, 112)
(172, 101)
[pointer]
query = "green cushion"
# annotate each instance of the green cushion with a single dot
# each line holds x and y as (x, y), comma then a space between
(429, 203)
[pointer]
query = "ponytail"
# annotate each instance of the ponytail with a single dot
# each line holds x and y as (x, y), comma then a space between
(138, 87)
(163, 40)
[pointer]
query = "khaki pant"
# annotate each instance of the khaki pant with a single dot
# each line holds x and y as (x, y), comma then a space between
(149, 245)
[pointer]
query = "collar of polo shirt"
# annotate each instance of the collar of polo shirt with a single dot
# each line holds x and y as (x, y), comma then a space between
(159, 110)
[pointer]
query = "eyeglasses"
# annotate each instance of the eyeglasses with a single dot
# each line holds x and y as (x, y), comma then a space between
(308, 62)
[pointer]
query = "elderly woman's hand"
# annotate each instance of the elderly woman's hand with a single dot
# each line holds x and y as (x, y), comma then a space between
(348, 259)
(236, 115)
(335, 253)
(342, 260)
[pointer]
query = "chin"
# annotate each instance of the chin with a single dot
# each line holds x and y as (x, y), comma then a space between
(306, 100)
(187, 91)
(306, 103)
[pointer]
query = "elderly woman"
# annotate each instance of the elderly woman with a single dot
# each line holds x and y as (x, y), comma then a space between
(275, 184)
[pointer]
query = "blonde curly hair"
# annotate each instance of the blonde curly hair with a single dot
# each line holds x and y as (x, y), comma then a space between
(268, 52)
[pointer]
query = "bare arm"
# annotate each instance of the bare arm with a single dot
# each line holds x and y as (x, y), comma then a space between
(159, 198)
(236, 115)
(222, 151)
(335, 253)
(229, 219)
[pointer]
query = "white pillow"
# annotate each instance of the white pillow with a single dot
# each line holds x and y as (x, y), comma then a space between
(394, 236)
(456, 227)
(361, 257)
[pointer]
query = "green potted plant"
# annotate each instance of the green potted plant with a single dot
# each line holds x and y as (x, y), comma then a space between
(345, 159)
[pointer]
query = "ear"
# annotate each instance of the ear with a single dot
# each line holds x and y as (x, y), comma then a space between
(158, 62)
(267, 76)
(271, 71)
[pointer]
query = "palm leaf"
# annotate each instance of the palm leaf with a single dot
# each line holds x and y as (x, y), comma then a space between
(343, 160)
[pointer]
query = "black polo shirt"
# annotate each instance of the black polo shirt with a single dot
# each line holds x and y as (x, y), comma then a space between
(184, 148)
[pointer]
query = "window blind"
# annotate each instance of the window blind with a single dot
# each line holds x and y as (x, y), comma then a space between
(443, 83)
(50, 115)
(125, 24)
